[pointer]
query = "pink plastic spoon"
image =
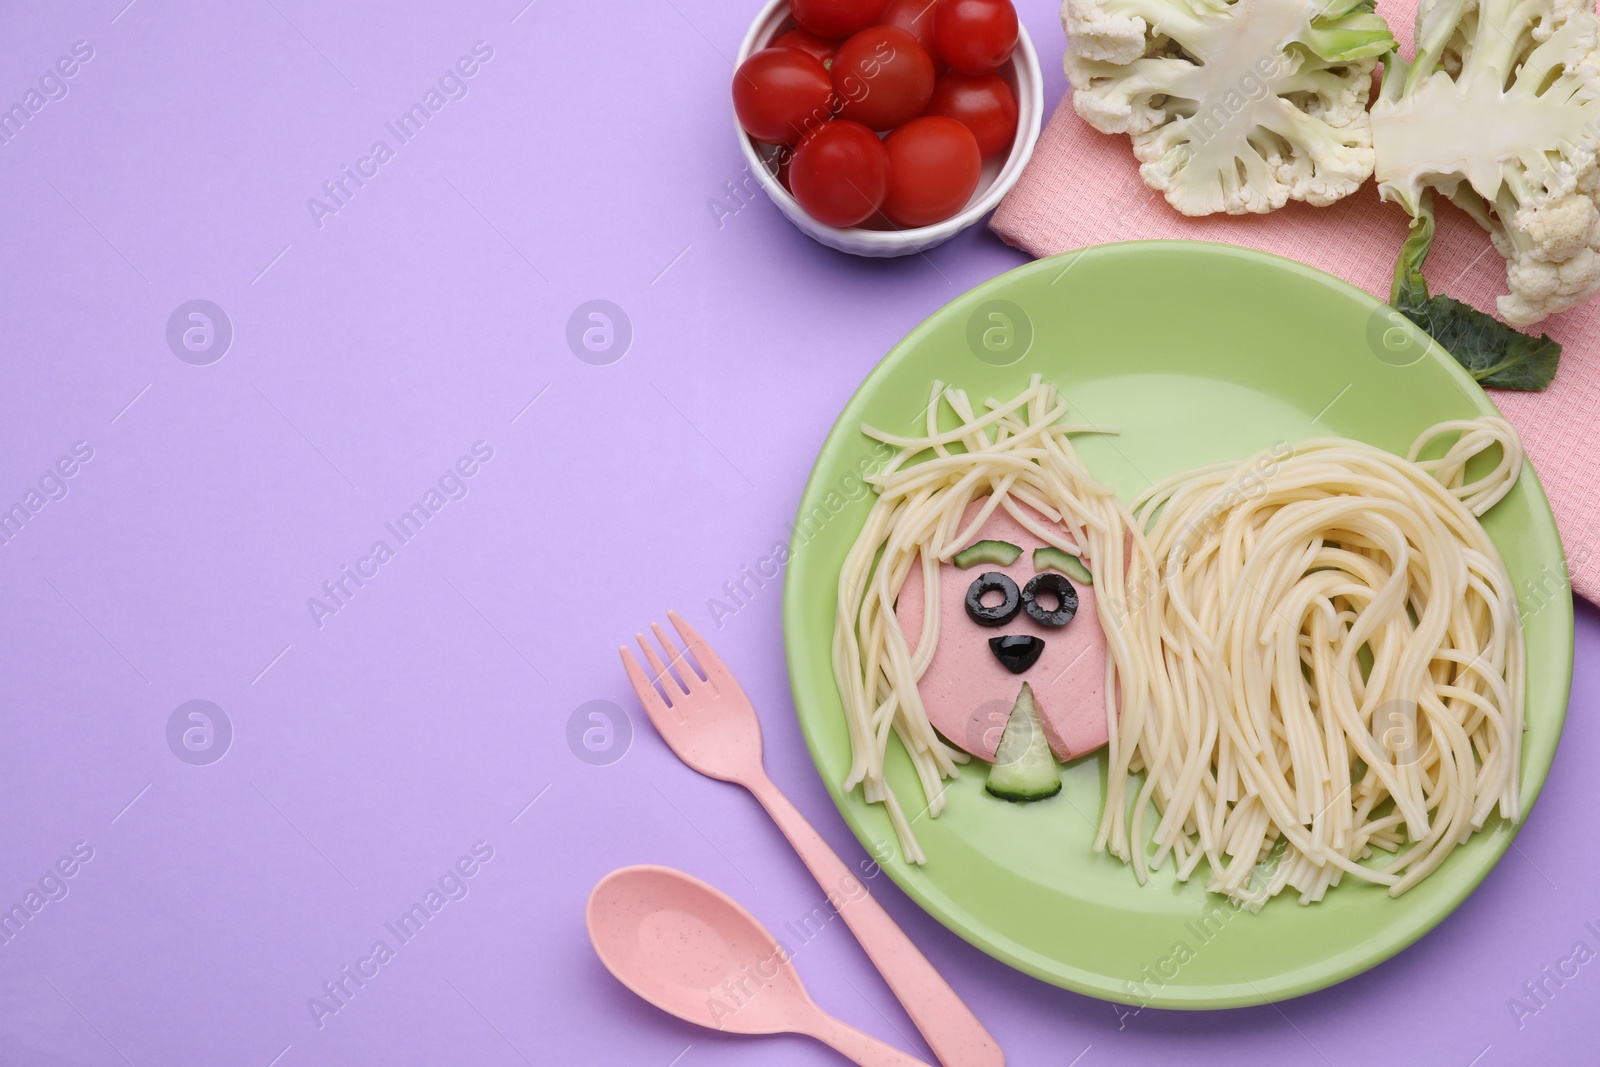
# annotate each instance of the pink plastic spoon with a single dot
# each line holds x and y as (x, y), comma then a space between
(691, 950)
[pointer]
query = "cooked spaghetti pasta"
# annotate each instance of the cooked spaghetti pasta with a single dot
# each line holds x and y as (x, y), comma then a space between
(1342, 667)
(1314, 654)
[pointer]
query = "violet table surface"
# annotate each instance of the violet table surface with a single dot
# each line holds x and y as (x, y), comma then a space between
(431, 710)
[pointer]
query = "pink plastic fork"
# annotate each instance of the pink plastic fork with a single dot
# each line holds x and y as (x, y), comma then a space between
(711, 725)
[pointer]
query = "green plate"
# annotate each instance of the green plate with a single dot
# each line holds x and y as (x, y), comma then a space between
(1198, 353)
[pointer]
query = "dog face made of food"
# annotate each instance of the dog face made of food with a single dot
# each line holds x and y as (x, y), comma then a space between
(977, 670)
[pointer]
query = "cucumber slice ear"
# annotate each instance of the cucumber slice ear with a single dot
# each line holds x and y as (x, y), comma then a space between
(1024, 768)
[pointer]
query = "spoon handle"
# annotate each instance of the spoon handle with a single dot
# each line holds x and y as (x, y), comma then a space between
(954, 1034)
(859, 1047)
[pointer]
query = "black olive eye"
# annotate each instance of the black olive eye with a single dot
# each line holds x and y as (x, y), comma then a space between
(1001, 613)
(1051, 586)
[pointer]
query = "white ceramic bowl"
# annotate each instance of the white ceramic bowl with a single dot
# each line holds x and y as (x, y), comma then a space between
(877, 236)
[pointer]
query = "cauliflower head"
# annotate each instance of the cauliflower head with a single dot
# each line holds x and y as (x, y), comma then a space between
(1234, 106)
(1500, 112)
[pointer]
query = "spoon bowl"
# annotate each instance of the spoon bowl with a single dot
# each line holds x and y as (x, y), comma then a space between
(692, 951)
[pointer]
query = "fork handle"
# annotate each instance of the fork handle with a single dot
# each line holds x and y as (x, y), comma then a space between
(858, 1047)
(954, 1034)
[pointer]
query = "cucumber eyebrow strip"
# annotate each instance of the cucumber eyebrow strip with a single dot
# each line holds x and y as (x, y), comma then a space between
(999, 553)
(1002, 546)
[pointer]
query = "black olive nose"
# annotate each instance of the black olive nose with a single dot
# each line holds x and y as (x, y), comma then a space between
(1017, 652)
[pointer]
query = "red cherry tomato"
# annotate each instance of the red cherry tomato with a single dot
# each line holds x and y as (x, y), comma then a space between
(780, 93)
(983, 103)
(933, 168)
(882, 77)
(819, 48)
(840, 174)
(916, 18)
(975, 36)
(835, 18)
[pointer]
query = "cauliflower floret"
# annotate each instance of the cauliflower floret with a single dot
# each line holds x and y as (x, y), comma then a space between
(1234, 106)
(1104, 36)
(1500, 112)
(1561, 269)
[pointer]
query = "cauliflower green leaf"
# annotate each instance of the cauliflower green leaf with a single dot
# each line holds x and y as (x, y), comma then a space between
(1492, 352)
(1232, 105)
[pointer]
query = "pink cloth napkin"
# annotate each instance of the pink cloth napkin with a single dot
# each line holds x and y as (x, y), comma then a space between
(1083, 188)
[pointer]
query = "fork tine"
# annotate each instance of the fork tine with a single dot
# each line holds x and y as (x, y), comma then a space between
(686, 671)
(704, 654)
(661, 675)
(654, 705)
